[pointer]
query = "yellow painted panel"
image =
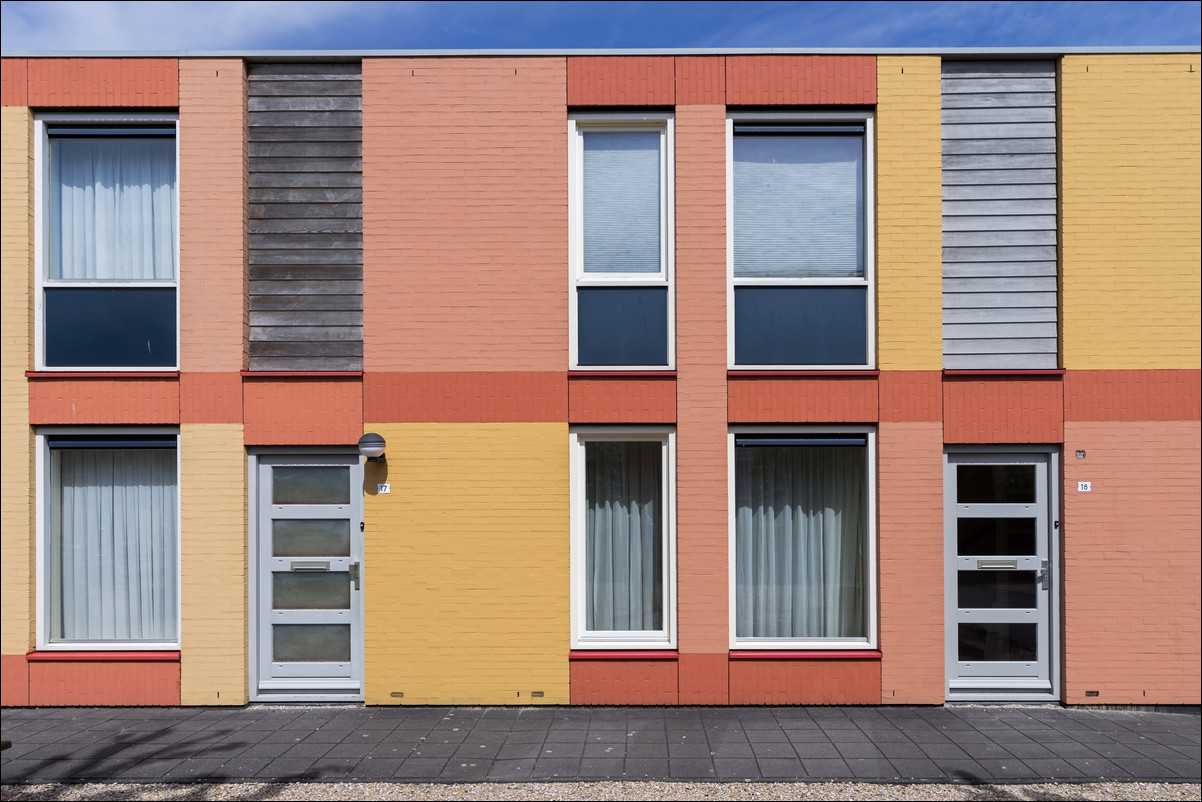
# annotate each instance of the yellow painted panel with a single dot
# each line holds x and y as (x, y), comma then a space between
(16, 336)
(213, 604)
(466, 565)
(1131, 202)
(909, 227)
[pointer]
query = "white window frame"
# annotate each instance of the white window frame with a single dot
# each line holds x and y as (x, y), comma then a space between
(41, 193)
(868, 280)
(870, 547)
(579, 124)
(582, 638)
(43, 500)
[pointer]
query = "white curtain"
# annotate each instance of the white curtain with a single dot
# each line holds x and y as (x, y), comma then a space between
(624, 536)
(113, 208)
(800, 542)
(113, 545)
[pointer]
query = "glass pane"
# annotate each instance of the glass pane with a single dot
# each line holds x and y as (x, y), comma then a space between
(624, 536)
(798, 206)
(315, 591)
(311, 538)
(800, 540)
(1001, 642)
(801, 325)
(110, 327)
(997, 589)
(311, 643)
(295, 484)
(995, 484)
(995, 536)
(622, 326)
(621, 202)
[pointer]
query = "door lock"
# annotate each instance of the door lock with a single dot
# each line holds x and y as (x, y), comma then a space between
(1043, 577)
(355, 574)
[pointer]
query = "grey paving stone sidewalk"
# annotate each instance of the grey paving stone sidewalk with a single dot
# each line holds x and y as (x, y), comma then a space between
(456, 744)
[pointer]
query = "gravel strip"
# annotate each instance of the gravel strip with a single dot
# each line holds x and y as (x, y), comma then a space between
(595, 791)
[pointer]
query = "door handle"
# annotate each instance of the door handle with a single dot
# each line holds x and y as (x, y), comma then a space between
(355, 574)
(1044, 576)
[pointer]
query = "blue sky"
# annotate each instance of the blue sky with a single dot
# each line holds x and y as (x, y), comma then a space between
(143, 26)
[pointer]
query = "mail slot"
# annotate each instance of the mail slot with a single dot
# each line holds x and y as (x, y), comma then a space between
(993, 565)
(310, 565)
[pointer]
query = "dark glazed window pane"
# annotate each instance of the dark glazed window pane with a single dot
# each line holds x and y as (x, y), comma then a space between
(801, 326)
(995, 536)
(311, 643)
(1001, 642)
(311, 538)
(110, 327)
(329, 484)
(1014, 590)
(622, 325)
(316, 591)
(995, 484)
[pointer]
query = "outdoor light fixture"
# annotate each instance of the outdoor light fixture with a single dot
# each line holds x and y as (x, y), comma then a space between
(371, 445)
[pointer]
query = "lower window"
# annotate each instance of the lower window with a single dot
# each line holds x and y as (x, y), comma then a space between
(803, 566)
(622, 577)
(111, 545)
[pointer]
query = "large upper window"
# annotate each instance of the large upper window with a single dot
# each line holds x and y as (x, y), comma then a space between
(622, 532)
(110, 548)
(109, 247)
(621, 255)
(803, 560)
(800, 241)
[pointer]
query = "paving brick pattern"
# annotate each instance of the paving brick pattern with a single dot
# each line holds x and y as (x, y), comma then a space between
(452, 744)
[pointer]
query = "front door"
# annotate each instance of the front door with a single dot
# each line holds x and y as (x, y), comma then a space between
(307, 640)
(1000, 575)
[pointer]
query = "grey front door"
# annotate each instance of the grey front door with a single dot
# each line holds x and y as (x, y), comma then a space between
(307, 642)
(1000, 569)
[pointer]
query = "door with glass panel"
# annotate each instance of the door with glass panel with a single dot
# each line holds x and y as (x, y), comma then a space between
(309, 632)
(1000, 575)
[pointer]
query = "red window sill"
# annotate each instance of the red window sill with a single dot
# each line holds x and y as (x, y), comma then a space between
(797, 654)
(621, 374)
(302, 374)
(104, 657)
(802, 374)
(624, 654)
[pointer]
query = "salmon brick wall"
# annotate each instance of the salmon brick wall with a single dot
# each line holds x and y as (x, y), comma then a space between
(92, 82)
(1003, 410)
(624, 682)
(55, 681)
(805, 682)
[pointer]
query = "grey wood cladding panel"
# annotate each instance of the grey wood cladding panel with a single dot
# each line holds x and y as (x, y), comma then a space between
(305, 136)
(999, 215)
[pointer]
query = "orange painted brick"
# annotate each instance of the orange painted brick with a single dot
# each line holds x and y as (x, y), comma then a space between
(14, 680)
(832, 399)
(621, 400)
(106, 683)
(1132, 563)
(466, 397)
(97, 400)
(210, 398)
(621, 81)
(623, 682)
(104, 82)
(14, 82)
(704, 679)
(701, 80)
(302, 411)
(911, 395)
(910, 549)
(1001, 409)
(805, 682)
(1131, 395)
(800, 80)
(465, 165)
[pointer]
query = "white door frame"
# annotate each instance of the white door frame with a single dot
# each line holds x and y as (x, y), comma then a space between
(313, 688)
(999, 681)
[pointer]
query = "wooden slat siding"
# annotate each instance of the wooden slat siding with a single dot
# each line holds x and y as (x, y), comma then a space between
(306, 216)
(999, 215)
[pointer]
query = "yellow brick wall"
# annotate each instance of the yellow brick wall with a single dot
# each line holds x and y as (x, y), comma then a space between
(909, 227)
(213, 604)
(16, 334)
(1130, 209)
(466, 565)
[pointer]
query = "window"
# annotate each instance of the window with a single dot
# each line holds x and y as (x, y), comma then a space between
(800, 244)
(803, 552)
(621, 253)
(623, 552)
(109, 559)
(108, 250)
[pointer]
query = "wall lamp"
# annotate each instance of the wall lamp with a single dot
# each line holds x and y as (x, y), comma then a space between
(371, 445)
